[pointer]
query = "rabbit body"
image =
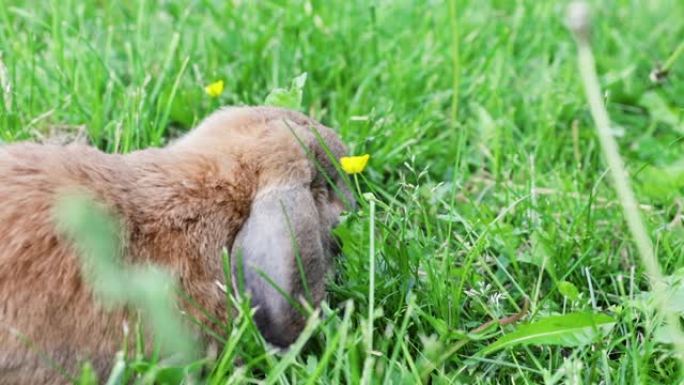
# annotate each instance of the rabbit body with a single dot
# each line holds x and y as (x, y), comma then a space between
(180, 207)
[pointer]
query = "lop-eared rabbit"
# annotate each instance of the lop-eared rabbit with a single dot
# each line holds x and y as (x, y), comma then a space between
(249, 179)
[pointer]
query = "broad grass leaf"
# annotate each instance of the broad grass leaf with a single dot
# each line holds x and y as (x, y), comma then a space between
(288, 98)
(281, 97)
(570, 330)
(568, 290)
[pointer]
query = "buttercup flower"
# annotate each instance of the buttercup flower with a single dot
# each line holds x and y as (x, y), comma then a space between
(354, 164)
(214, 89)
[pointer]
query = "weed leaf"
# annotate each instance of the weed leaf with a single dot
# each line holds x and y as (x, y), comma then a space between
(288, 98)
(569, 330)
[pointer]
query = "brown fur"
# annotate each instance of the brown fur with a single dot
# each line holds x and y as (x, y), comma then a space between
(180, 205)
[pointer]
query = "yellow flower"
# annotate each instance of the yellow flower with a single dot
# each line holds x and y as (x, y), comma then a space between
(354, 164)
(214, 89)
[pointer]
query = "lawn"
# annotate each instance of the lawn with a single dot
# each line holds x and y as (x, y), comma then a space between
(491, 195)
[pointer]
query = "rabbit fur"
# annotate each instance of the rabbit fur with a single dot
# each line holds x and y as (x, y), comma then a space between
(247, 179)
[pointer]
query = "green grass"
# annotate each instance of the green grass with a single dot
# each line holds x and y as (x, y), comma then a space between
(489, 178)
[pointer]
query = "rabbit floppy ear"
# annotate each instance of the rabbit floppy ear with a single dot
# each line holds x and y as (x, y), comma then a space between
(282, 230)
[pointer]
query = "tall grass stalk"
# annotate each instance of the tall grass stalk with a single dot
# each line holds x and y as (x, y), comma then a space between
(579, 23)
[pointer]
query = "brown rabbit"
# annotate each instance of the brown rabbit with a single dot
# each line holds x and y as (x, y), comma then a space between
(249, 179)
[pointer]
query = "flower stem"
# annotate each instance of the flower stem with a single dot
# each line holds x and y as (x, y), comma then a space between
(368, 363)
(356, 183)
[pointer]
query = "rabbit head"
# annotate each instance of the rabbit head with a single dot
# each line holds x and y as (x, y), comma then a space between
(282, 252)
